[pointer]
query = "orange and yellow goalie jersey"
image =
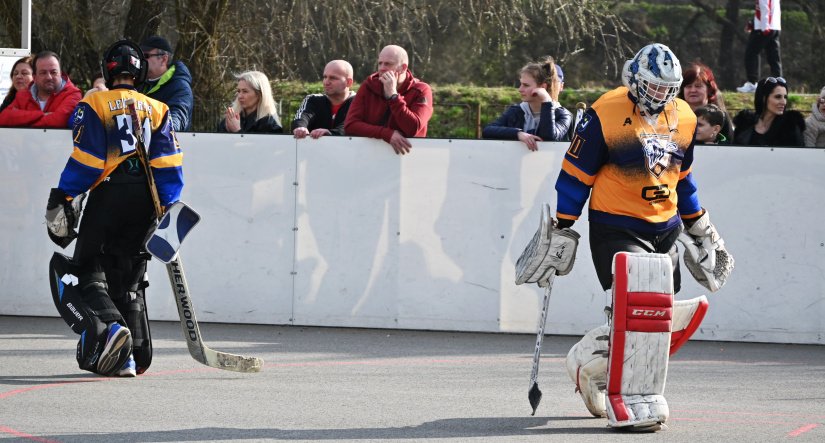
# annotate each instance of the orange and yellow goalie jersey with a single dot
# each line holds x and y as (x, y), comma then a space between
(639, 174)
(103, 139)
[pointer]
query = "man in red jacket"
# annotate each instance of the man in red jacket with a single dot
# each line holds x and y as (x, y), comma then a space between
(391, 104)
(48, 102)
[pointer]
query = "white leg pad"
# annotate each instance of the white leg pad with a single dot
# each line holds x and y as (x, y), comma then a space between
(587, 366)
(639, 340)
(687, 316)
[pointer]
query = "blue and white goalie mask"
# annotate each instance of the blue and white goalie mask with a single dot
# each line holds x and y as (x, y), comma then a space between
(653, 77)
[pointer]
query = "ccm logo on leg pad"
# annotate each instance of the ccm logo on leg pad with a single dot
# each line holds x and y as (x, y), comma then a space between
(650, 313)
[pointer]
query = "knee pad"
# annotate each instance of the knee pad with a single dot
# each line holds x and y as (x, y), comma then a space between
(587, 366)
(80, 297)
(125, 274)
(639, 340)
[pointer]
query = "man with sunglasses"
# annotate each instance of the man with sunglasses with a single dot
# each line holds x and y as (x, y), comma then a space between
(764, 31)
(168, 82)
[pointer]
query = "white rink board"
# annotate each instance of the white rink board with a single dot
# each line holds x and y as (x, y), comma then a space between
(423, 241)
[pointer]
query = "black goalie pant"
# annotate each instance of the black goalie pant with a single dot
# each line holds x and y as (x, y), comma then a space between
(118, 215)
(607, 240)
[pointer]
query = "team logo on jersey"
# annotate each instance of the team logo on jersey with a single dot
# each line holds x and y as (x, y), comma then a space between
(584, 122)
(133, 166)
(657, 149)
(78, 116)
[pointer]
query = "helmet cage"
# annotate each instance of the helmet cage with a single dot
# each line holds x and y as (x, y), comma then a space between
(124, 57)
(653, 77)
(654, 93)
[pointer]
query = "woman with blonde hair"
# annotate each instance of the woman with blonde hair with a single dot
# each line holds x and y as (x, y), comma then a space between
(254, 108)
(539, 117)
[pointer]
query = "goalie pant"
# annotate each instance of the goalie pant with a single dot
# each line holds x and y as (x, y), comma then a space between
(628, 357)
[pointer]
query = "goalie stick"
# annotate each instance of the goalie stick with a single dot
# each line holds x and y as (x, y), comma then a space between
(197, 349)
(580, 108)
(534, 393)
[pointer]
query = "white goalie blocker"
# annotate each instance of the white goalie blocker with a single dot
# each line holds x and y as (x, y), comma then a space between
(165, 241)
(550, 251)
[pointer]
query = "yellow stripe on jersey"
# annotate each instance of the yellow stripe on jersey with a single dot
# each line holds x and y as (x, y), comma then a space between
(87, 159)
(168, 161)
(582, 176)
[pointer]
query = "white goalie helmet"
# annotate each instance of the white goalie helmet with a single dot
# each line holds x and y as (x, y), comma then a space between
(653, 76)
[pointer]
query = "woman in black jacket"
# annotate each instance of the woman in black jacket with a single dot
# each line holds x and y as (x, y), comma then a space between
(539, 117)
(254, 108)
(770, 124)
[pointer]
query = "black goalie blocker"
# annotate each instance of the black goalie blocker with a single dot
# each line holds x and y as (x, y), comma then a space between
(124, 57)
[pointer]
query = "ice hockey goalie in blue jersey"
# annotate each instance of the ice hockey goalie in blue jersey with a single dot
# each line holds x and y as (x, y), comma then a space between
(100, 291)
(631, 155)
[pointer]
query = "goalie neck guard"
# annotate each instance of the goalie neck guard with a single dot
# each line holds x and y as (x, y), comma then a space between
(124, 57)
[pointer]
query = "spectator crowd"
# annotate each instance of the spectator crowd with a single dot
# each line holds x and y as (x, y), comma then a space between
(395, 106)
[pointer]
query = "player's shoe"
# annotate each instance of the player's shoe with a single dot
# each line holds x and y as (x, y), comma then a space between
(128, 369)
(116, 351)
(747, 87)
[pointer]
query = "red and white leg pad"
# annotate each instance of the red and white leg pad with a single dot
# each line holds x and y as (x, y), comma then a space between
(639, 340)
(687, 316)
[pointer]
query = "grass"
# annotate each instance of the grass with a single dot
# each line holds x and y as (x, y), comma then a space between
(460, 111)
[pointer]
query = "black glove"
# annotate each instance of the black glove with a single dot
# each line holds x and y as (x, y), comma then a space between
(56, 208)
(564, 223)
(57, 197)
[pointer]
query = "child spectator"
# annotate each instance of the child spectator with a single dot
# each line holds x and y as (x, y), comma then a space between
(709, 121)
(699, 89)
(539, 117)
(815, 124)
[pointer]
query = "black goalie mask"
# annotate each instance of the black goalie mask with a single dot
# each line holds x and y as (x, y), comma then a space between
(124, 57)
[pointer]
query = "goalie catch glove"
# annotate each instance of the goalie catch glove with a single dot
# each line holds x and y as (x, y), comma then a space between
(62, 217)
(550, 251)
(705, 255)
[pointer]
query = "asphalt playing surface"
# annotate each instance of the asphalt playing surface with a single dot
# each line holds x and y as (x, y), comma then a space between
(323, 384)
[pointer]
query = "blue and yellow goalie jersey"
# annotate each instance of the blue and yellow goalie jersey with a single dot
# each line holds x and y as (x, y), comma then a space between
(640, 175)
(103, 139)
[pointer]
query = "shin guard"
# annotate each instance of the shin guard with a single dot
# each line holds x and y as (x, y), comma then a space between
(639, 340)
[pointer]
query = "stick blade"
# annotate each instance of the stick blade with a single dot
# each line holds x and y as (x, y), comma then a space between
(232, 362)
(534, 395)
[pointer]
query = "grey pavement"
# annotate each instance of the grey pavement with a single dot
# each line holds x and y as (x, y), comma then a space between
(325, 384)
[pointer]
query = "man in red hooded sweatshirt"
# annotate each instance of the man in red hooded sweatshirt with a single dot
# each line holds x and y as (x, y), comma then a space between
(48, 102)
(391, 104)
